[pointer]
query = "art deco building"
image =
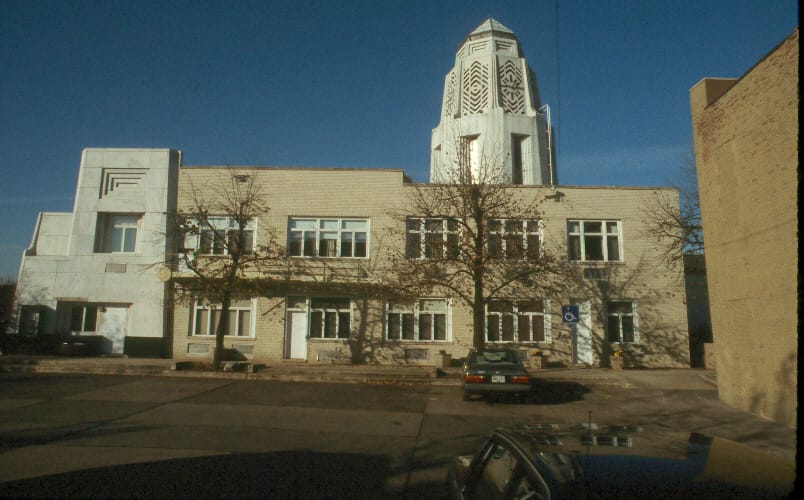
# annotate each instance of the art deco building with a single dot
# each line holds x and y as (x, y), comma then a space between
(101, 270)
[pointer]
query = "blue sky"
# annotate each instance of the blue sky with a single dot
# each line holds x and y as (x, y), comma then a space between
(345, 84)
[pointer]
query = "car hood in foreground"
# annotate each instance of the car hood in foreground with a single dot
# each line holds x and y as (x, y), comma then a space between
(618, 462)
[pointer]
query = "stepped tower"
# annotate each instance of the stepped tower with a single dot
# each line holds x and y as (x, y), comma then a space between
(493, 127)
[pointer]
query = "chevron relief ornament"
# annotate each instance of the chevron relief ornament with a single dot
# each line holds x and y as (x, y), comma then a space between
(449, 100)
(513, 95)
(475, 89)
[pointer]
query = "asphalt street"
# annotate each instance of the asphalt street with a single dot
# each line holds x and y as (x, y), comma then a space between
(137, 436)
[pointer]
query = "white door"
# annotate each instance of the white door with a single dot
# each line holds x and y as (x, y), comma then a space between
(297, 334)
(582, 335)
(113, 328)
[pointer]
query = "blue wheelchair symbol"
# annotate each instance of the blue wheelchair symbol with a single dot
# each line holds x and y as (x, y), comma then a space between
(569, 314)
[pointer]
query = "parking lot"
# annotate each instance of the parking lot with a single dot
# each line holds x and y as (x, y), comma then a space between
(102, 435)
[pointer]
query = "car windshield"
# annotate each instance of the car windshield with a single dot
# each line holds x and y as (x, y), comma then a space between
(494, 357)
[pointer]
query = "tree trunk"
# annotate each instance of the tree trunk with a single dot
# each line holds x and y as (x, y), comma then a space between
(220, 331)
(479, 323)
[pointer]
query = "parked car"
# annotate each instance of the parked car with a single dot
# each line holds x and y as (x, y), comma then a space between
(494, 371)
(548, 462)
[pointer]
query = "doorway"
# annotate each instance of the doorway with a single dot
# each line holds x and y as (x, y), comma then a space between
(296, 335)
(113, 327)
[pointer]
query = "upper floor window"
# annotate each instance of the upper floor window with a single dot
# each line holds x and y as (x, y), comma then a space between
(520, 154)
(470, 156)
(514, 239)
(432, 238)
(328, 237)
(594, 240)
(518, 321)
(219, 236)
(117, 233)
(621, 321)
(425, 320)
(207, 317)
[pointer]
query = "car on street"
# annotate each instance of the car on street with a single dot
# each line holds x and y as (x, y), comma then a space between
(548, 461)
(494, 371)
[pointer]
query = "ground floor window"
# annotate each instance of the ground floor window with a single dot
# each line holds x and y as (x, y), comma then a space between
(518, 321)
(622, 321)
(83, 318)
(29, 320)
(330, 318)
(422, 320)
(207, 316)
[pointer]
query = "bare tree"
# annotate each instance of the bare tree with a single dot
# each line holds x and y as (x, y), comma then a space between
(677, 227)
(216, 229)
(479, 237)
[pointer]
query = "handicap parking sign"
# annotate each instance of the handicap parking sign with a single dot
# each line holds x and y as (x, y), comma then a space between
(569, 314)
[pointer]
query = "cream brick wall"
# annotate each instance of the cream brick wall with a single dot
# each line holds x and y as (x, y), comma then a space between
(746, 141)
(377, 194)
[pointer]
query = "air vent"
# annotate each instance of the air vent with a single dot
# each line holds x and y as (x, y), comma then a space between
(112, 267)
(417, 354)
(198, 349)
(244, 349)
(328, 355)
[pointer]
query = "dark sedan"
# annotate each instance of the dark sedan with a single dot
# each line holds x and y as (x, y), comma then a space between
(548, 461)
(494, 371)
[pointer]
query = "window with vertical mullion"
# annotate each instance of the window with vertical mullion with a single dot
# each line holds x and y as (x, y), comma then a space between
(423, 321)
(432, 238)
(330, 318)
(594, 240)
(514, 239)
(83, 318)
(207, 317)
(621, 322)
(328, 237)
(521, 321)
(117, 233)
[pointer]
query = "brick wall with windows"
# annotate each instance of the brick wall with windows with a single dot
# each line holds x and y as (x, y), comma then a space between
(327, 203)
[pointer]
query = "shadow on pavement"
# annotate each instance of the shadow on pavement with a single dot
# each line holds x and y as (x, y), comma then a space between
(544, 392)
(553, 392)
(287, 474)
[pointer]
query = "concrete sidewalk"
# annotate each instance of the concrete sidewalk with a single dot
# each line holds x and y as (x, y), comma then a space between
(669, 379)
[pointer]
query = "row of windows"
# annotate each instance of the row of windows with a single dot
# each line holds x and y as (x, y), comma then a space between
(328, 237)
(219, 236)
(424, 320)
(587, 241)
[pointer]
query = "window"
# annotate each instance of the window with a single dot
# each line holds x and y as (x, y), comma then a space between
(30, 320)
(622, 321)
(432, 238)
(424, 320)
(117, 233)
(514, 239)
(330, 318)
(328, 237)
(83, 318)
(520, 151)
(219, 236)
(207, 316)
(598, 240)
(519, 321)
(470, 156)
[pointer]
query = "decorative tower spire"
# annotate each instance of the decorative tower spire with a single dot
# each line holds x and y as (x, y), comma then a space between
(493, 127)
